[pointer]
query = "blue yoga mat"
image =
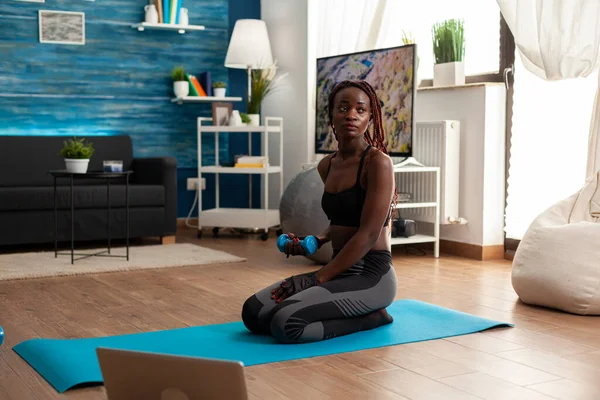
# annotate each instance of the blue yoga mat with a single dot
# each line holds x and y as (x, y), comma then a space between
(65, 363)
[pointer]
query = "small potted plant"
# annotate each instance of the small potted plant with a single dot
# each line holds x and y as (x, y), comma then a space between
(219, 89)
(449, 52)
(262, 83)
(181, 86)
(77, 154)
(245, 118)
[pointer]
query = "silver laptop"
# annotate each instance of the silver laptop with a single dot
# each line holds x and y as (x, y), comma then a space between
(151, 376)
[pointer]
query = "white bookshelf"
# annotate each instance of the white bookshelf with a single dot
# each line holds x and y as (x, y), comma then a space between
(239, 129)
(271, 169)
(248, 218)
(239, 218)
(421, 238)
(418, 238)
(416, 205)
(203, 99)
(142, 26)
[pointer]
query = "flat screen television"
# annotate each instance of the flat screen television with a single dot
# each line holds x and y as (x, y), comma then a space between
(391, 73)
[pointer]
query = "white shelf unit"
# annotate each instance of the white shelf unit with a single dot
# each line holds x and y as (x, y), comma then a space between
(420, 238)
(249, 218)
(169, 27)
(202, 99)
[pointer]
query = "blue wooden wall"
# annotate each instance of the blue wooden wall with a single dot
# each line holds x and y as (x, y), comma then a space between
(118, 82)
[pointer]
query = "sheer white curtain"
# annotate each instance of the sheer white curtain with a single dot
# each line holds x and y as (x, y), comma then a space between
(344, 25)
(548, 144)
(558, 45)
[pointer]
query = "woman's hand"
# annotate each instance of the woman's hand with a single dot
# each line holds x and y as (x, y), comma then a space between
(294, 284)
(292, 247)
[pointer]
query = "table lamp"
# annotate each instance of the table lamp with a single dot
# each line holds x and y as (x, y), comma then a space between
(249, 47)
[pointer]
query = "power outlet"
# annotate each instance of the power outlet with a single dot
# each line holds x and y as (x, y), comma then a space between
(192, 184)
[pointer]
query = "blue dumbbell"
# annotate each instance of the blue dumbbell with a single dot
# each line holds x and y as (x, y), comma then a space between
(310, 244)
(1, 335)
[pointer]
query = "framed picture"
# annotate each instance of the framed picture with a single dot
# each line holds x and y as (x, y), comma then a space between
(221, 112)
(62, 27)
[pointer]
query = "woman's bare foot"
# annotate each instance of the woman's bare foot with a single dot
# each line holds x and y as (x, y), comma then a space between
(375, 320)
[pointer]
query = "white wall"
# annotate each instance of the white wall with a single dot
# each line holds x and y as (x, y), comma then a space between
(481, 112)
(287, 24)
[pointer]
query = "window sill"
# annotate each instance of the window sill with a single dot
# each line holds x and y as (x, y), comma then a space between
(465, 86)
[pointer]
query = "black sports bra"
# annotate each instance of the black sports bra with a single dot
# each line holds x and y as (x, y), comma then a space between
(344, 208)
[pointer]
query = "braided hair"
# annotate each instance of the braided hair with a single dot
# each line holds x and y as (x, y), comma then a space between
(375, 138)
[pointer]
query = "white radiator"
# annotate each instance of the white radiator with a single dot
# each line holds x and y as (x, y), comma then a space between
(435, 144)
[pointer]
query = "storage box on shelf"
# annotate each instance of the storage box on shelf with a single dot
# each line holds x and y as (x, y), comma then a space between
(422, 203)
(248, 218)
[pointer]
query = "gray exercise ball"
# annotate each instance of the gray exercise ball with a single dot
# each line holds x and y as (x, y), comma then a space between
(301, 213)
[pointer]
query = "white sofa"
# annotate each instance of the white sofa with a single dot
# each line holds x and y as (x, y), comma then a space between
(557, 263)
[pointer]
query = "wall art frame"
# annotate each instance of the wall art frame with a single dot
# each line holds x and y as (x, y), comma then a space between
(61, 27)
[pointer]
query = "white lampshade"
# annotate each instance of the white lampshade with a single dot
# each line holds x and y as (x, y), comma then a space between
(249, 46)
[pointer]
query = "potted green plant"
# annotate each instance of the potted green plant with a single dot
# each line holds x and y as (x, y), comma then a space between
(449, 52)
(77, 154)
(262, 83)
(219, 89)
(181, 86)
(245, 118)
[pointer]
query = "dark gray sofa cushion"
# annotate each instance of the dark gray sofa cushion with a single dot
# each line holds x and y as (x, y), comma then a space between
(90, 224)
(85, 196)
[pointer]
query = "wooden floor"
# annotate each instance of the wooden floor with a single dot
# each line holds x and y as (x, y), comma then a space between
(547, 355)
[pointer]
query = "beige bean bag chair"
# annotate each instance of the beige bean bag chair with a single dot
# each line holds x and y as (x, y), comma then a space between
(557, 263)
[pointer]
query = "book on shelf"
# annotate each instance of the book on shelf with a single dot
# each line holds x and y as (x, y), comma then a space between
(251, 162)
(166, 10)
(196, 89)
(205, 82)
(257, 165)
(159, 10)
(174, 15)
(198, 86)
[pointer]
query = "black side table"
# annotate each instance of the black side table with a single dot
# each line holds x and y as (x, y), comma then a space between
(107, 176)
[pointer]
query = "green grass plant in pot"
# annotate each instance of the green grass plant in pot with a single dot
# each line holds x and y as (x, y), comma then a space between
(262, 83)
(77, 154)
(181, 86)
(245, 118)
(219, 89)
(449, 53)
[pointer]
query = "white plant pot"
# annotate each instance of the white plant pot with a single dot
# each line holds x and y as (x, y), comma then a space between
(219, 92)
(254, 119)
(449, 74)
(76, 166)
(181, 88)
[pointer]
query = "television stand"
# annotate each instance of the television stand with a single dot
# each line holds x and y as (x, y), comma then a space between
(409, 162)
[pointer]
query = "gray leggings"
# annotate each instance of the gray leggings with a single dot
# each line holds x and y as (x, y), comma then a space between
(335, 308)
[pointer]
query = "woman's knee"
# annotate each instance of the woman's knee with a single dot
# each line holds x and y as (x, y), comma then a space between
(287, 326)
(281, 330)
(250, 312)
